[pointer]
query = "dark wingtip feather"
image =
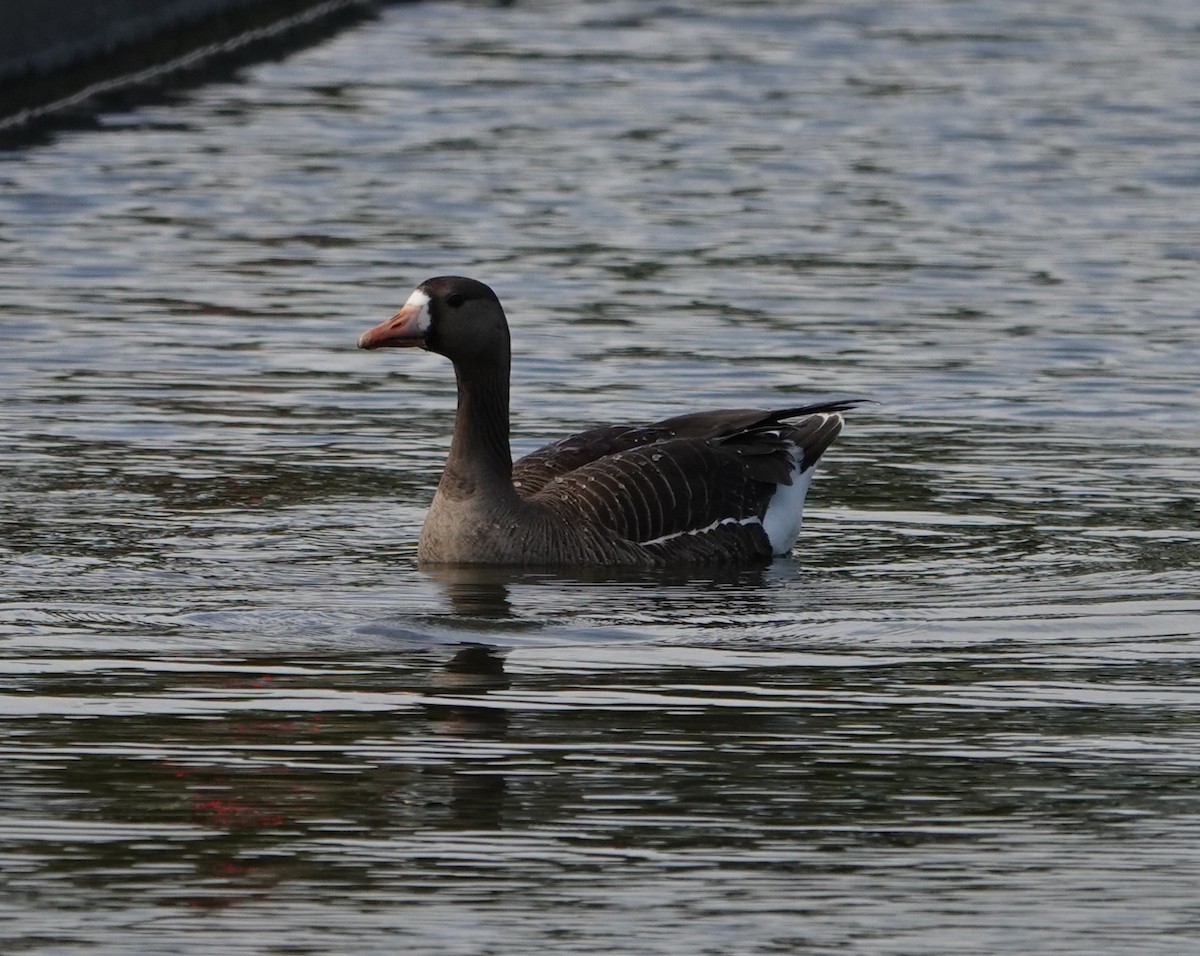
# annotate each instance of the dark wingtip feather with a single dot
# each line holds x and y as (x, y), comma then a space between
(816, 408)
(814, 435)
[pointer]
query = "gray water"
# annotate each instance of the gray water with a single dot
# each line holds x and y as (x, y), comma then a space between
(237, 718)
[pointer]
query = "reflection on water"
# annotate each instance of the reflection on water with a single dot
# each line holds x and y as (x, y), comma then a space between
(494, 785)
(235, 716)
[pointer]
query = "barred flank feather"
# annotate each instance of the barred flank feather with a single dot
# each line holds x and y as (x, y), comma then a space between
(701, 496)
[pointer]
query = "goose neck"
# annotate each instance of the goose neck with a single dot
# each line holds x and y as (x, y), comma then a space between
(480, 458)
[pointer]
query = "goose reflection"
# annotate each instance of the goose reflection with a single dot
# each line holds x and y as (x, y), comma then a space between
(476, 593)
(458, 691)
(513, 607)
(485, 594)
(458, 707)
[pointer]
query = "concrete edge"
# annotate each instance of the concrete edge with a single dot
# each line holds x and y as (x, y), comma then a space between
(64, 56)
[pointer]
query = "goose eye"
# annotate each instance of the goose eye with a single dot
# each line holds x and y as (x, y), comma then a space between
(454, 300)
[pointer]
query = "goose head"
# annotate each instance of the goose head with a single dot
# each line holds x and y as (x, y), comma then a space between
(454, 316)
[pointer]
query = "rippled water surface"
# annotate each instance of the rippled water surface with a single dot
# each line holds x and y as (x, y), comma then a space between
(236, 717)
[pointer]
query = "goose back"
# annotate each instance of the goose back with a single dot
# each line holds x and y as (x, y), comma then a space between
(531, 473)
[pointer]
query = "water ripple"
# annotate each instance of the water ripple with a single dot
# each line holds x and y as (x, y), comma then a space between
(235, 716)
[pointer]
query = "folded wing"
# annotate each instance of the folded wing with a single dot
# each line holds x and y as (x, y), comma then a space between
(698, 486)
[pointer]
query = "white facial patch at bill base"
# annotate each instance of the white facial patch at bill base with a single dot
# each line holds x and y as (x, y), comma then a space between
(418, 302)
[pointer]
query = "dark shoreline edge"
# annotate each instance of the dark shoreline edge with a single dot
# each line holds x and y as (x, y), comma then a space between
(51, 77)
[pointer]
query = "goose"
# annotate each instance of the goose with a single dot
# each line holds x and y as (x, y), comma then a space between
(711, 487)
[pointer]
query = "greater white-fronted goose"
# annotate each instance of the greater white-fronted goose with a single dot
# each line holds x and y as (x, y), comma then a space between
(723, 486)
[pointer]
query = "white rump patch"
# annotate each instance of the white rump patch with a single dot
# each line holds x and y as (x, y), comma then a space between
(419, 302)
(786, 507)
(781, 521)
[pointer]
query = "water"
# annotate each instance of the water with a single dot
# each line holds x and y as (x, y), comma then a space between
(237, 718)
